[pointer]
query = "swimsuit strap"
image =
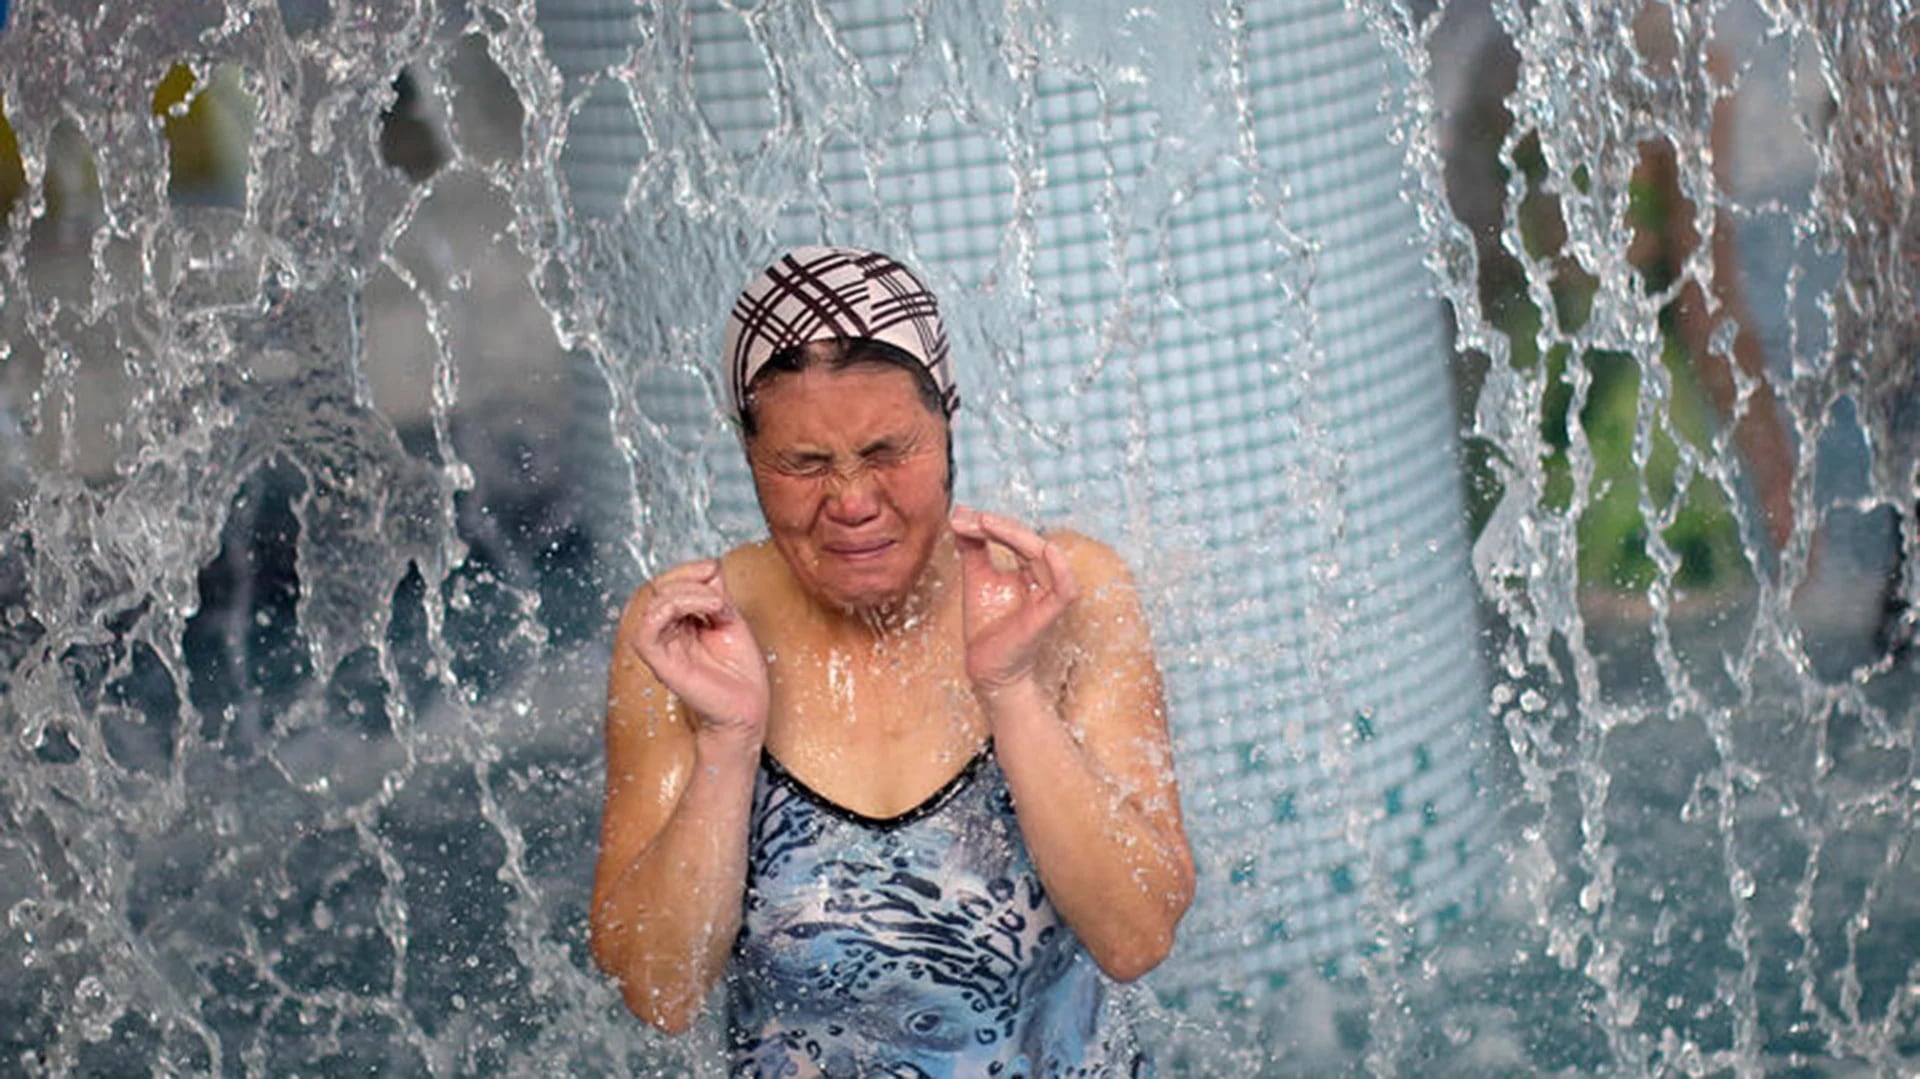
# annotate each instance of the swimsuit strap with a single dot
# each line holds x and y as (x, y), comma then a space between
(778, 773)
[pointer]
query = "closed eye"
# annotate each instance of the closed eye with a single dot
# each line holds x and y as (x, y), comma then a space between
(884, 454)
(809, 464)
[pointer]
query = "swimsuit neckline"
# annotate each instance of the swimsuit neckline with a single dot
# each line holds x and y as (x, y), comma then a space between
(928, 805)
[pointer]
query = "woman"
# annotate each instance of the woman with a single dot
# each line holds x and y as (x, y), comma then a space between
(901, 770)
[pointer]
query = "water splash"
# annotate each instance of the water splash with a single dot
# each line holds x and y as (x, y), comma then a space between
(327, 465)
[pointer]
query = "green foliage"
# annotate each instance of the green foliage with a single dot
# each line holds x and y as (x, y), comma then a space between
(1611, 526)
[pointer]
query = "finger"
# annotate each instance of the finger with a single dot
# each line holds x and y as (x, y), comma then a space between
(976, 561)
(718, 579)
(1011, 534)
(703, 569)
(1060, 579)
(1040, 558)
(681, 602)
(1039, 570)
(684, 591)
(989, 531)
(965, 521)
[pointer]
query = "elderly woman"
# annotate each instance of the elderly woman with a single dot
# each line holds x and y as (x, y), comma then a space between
(901, 770)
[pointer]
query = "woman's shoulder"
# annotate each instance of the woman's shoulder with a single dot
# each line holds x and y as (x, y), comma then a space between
(1094, 563)
(755, 574)
(753, 559)
(749, 571)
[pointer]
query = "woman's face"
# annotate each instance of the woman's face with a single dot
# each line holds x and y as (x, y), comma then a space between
(851, 469)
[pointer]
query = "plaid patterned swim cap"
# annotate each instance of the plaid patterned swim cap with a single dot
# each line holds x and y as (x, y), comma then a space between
(822, 293)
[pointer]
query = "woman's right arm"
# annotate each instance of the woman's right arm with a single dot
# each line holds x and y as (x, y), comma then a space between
(680, 769)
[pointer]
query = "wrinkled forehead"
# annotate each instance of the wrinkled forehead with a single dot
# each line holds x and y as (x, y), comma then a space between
(843, 402)
(876, 358)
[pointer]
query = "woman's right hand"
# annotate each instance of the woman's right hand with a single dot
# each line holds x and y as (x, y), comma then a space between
(701, 648)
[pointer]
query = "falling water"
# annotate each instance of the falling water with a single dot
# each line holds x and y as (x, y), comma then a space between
(1558, 717)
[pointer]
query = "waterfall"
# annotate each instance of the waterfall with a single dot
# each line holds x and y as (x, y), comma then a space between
(1510, 411)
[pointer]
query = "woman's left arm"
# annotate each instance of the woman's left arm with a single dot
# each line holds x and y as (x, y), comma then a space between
(1062, 662)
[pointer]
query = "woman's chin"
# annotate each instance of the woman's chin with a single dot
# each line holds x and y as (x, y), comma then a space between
(868, 601)
(869, 585)
(871, 596)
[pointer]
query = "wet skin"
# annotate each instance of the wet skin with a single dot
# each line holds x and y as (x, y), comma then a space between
(850, 467)
(905, 633)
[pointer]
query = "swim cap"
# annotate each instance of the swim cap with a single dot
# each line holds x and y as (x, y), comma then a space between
(822, 293)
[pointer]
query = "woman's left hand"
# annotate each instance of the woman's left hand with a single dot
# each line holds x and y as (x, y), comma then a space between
(1007, 610)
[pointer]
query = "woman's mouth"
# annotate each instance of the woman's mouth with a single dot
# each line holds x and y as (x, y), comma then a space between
(859, 552)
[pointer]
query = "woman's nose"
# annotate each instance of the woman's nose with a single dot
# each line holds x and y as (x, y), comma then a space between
(854, 497)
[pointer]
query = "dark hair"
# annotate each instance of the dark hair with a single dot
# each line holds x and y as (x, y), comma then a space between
(839, 354)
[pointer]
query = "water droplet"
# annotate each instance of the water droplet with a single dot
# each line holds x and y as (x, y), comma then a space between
(1742, 883)
(94, 1009)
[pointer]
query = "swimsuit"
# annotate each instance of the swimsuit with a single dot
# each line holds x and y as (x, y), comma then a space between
(915, 945)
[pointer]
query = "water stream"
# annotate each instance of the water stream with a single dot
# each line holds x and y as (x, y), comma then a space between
(1511, 412)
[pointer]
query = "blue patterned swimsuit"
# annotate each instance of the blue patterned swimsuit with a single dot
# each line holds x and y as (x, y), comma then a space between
(916, 945)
